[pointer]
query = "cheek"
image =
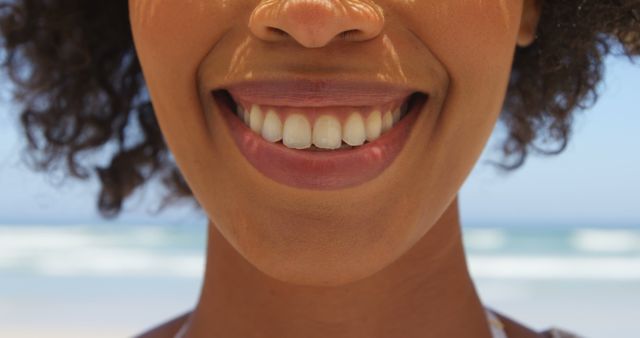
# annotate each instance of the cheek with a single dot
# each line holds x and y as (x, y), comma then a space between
(474, 40)
(171, 31)
(473, 37)
(172, 37)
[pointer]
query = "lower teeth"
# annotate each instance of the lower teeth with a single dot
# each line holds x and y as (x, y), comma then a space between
(343, 146)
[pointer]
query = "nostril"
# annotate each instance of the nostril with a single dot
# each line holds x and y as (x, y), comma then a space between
(349, 34)
(315, 23)
(277, 31)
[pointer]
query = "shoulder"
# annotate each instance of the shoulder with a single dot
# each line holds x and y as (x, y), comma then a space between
(167, 329)
(515, 329)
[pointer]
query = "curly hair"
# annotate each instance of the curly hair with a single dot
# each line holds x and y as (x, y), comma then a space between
(75, 71)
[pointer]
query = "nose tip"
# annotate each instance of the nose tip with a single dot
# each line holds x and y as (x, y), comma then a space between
(315, 23)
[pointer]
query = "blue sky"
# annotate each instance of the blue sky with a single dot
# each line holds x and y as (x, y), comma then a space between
(594, 182)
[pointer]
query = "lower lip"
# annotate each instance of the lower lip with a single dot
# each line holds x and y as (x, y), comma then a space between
(319, 170)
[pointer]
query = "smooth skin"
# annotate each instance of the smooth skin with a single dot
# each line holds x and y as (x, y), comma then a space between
(381, 259)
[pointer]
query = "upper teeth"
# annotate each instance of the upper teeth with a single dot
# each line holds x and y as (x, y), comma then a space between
(326, 131)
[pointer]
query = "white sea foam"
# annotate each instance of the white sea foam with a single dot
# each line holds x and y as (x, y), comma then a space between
(94, 251)
(606, 241)
(101, 262)
(555, 267)
(484, 239)
(151, 251)
(119, 262)
(131, 263)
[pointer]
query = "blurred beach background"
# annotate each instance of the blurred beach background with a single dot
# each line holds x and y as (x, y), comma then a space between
(555, 243)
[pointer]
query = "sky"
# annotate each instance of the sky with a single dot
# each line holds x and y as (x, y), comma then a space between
(594, 182)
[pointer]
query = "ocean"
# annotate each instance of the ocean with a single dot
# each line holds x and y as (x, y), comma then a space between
(116, 280)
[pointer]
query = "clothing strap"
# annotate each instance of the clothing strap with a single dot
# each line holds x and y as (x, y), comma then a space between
(496, 326)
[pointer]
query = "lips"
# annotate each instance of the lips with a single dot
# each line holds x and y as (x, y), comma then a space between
(318, 170)
(314, 93)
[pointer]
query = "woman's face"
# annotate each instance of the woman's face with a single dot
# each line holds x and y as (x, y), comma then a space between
(332, 220)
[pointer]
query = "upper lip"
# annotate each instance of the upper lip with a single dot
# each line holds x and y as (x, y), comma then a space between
(305, 92)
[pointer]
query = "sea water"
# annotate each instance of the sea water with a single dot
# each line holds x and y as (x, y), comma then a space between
(116, 280)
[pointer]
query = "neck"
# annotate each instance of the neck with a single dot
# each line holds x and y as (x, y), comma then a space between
(425, 293)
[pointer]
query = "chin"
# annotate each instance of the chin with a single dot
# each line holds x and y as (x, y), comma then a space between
(318, 258)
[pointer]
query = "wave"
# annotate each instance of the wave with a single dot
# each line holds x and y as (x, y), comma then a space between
(605, 241)
(555, 267)
(493, 253)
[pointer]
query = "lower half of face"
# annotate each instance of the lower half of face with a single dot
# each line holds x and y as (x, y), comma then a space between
(313, 194)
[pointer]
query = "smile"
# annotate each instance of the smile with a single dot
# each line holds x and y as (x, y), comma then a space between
(311, 141)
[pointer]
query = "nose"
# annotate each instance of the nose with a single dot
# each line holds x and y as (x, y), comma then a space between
(315, 23)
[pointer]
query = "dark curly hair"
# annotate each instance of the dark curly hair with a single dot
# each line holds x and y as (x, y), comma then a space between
(75, 70)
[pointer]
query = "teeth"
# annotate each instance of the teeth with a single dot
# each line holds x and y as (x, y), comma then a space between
(354, 133)
(327, 132)
(256, 119)
(396, 115)
(374, 125)
(297, 132)
(387, 121)
(272, 127)
(245, 116)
